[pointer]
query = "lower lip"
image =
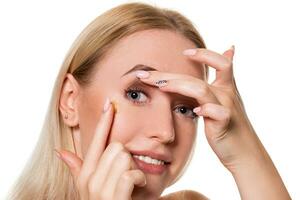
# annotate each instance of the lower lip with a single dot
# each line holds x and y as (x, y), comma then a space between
(150, 168)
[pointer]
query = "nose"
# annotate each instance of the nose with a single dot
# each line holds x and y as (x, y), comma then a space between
(161, 123)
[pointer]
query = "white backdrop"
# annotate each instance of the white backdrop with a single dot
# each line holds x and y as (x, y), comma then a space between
(35, 36)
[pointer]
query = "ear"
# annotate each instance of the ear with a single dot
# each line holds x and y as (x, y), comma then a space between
(68, 103)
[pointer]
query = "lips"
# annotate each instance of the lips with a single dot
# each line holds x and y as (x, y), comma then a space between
(154, 155)
(151, 162)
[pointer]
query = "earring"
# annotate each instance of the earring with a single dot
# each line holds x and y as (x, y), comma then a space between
(66, 116)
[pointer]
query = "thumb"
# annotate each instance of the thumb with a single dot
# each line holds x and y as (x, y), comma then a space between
(229, 53)
(73, 162)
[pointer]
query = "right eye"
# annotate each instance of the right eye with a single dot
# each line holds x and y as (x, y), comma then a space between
(136, 95)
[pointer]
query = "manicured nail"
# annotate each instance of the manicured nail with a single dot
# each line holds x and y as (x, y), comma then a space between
(57, 153)
(142, 74)
(161, 83)
(197, 109)
(106, 105)
(189, 52)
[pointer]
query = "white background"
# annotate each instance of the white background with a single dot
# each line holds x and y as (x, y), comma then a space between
(35, 36)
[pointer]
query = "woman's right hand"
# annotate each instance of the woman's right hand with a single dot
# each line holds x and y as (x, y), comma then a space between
(105, 173)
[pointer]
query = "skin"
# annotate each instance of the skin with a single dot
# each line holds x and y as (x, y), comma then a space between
(103, 167)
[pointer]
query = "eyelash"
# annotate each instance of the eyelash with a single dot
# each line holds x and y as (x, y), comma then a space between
(140, 90)
(137, 90)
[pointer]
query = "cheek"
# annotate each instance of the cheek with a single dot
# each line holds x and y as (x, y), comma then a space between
(90, 111)
(185, 146)
(186, 136)
(127, 123)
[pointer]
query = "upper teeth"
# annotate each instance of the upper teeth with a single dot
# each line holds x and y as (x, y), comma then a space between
(149, 160)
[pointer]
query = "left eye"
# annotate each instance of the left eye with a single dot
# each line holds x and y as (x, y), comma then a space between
(186, 111)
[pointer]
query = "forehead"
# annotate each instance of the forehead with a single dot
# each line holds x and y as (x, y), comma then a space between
(160, 49)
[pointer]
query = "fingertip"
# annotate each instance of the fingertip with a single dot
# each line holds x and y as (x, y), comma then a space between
(189, 52)
(57, 153)
(106, 105)
(197, 110)
(143, 183)
(139, 177)
(60, 156)
(229, 53)
(109, 107)
(70, 159)
(232, 48)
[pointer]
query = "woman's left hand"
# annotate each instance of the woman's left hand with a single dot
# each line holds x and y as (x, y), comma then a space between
(227, 128)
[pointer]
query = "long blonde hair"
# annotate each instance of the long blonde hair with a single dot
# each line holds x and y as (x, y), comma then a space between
(45, 176)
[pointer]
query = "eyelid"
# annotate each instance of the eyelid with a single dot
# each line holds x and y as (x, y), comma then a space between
(138, 90)
(190, 108)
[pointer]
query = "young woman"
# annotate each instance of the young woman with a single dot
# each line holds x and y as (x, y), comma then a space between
(124, 111)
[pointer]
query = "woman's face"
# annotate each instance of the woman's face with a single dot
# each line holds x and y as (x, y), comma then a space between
(147, 119)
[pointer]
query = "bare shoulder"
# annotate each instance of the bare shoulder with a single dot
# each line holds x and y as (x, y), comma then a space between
(184, 195)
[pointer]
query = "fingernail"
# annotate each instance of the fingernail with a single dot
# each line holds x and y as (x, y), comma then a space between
(142, 74)
(57, 154)
(189, 52)
(106, 105)
(197, 109)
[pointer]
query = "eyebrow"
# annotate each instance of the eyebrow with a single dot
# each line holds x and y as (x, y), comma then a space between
(140, 67)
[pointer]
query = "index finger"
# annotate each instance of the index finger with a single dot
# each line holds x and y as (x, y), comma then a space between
(222, 63)
(98, 143)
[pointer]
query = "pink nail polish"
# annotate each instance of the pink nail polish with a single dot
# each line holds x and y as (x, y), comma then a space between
(142, 74)
(106, 105)
(197, 109)
(189, 52)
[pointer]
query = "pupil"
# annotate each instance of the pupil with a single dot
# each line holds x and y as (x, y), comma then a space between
(134, 95)
(183, 109)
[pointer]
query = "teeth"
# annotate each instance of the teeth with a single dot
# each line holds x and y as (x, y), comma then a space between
(149, 160)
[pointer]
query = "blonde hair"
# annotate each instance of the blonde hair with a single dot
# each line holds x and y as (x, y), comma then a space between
(45, 176)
